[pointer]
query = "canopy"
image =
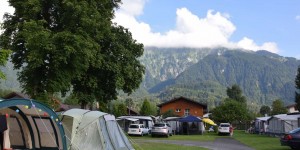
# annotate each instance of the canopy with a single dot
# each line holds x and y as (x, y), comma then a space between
(209, 121)
(190, 118)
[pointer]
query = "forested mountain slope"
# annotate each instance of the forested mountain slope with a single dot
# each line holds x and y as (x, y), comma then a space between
(263, 77)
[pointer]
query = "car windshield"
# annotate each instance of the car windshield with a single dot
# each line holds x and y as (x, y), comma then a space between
(295, 130)
(159, 125)
(133, 126)
(224, 125)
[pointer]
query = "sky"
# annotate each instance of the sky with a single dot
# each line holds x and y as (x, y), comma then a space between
(272, 25)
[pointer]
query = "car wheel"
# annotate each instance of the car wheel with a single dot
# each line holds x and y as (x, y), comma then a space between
(294, 147)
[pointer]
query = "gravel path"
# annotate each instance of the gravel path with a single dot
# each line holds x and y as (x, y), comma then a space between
(218, 144)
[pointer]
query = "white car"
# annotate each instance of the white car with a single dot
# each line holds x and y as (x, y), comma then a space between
(224, 128)
(137, 129)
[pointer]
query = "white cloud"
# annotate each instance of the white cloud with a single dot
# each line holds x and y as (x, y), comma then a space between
(247, 43)
(213, 30)
(4, 8)
(133, 7)
(297, 17)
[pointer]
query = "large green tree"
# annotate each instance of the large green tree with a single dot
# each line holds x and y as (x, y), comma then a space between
(265, 110)
(278, 107)
(297, 92)
(230, 111)
(62, 44)
(119, 68)
(233, 108)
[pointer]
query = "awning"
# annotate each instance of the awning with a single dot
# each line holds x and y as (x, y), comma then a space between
(207, 120)
(131, 119)
(190, 119)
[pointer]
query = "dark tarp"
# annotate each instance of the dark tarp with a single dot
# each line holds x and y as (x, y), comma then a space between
(190, 118)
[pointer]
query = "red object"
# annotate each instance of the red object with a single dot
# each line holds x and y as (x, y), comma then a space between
(230, 129)
(288, 137)
(6, 115)
(45, 114)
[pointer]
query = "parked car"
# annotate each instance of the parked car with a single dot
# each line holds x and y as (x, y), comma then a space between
(137, 129)
(161, 129)
(291, 139)
(224, 128)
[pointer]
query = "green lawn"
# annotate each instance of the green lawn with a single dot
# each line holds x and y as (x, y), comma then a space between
(258, 142)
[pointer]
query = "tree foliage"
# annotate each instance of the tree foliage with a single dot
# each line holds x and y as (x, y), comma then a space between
(129, 102)
(63, 44)
(71, 100)
(4, 92)
(297, 92)
(278, 107)
(235, 93)
(233, 108)
(3, 59)
(119, 109)
(265, 110)
(146, 108)
(230, 111)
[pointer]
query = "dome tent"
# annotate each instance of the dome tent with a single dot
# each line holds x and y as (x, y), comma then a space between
(30, 125)
(95, 130)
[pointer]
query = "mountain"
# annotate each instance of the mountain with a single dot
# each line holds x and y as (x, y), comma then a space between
(204, 75)
(263, 77)
(163, 64)
(11, 83)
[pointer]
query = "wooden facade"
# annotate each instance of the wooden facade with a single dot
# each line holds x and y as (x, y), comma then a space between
(182, 106)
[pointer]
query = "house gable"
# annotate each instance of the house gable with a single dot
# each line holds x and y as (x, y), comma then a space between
(183, 106)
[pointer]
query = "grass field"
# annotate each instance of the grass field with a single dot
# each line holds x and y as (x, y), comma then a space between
(258, 142)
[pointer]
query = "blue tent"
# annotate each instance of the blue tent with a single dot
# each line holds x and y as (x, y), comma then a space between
(190, 118)
(31, 125)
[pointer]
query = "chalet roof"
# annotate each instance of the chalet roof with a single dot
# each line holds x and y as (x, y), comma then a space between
(132, 110)
(291, 106)
(184, 98)
(14, 95)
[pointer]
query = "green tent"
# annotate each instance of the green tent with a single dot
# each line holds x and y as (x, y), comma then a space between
(28, 124)
(93, 130)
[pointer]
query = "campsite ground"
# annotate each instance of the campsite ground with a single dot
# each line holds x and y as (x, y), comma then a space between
(209, 141)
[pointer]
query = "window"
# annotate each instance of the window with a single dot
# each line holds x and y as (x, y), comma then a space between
(187, 112)
(178, 110)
